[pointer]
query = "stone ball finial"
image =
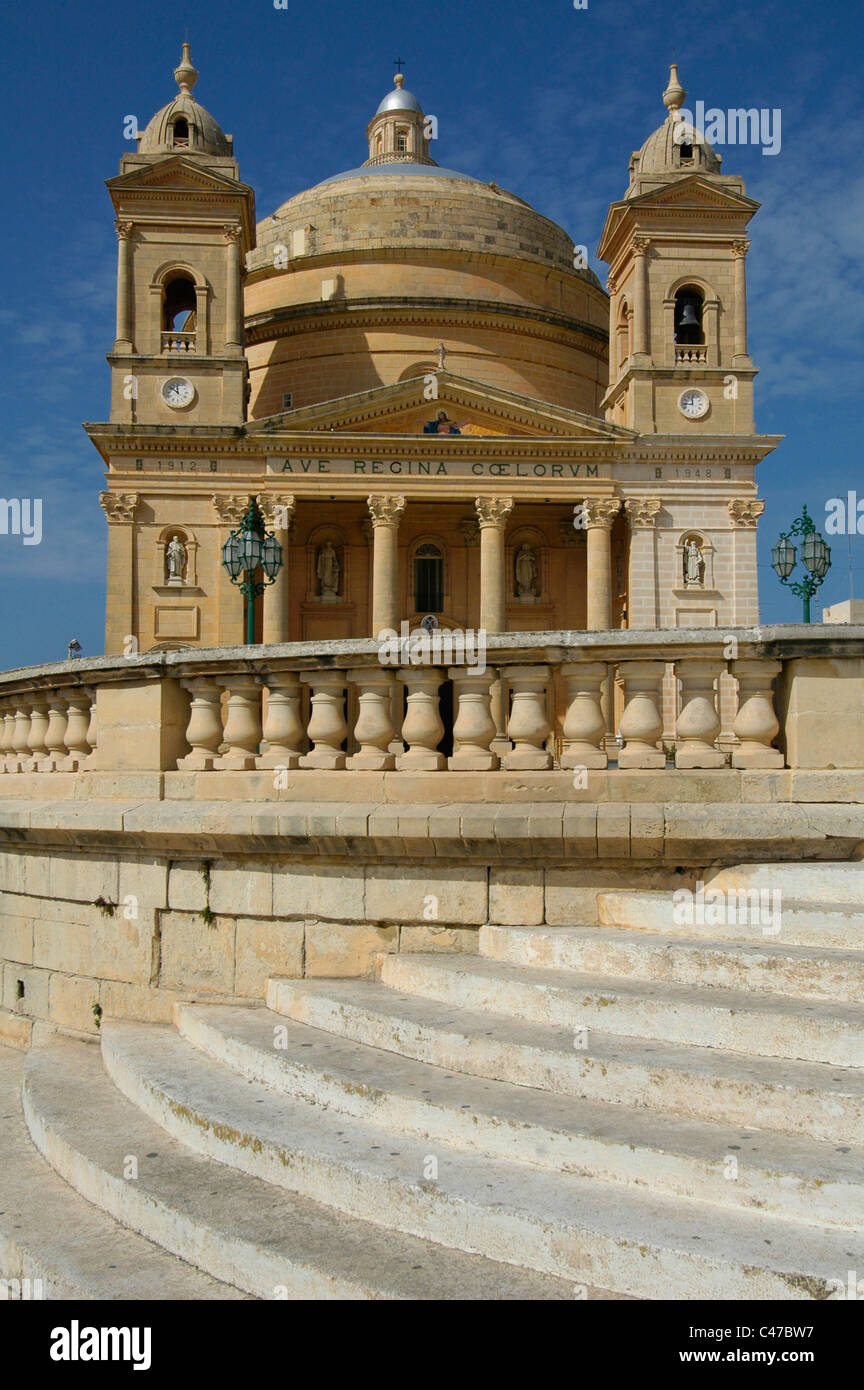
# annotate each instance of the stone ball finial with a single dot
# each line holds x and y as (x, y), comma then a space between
(399, 79)
(674, 95)
(186, 75)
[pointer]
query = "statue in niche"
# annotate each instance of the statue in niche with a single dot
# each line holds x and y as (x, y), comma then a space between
(328, 570)
(694, 562)
(526, 572)
(175, 561)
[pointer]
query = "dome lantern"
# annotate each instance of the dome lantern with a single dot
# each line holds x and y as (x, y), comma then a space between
(397, 133)
(184, 125)
(675, 148)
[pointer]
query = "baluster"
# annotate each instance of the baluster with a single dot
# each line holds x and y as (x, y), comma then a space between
(77, 723)
(528, 726)
(422, 728)
(584, 722)
(7, 713)
(242, 733)
(55, 734)
(204, 731)
(641, 721)
(756, 723)
(374, 728)
(327, 727)
(21, 735)
(38, 729)
(698, 723)
(283, 727)
(473, 728)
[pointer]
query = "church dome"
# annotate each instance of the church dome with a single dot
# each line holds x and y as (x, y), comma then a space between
(399, 100)
(675, 148)
(184, 125)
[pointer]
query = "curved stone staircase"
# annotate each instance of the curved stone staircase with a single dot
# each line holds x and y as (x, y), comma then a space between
(631, 1109)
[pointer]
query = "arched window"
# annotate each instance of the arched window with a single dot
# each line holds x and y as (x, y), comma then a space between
(178, 305)
(688, 316)
(401, 140)
(180, 132)
(623, 333)
(428, 579)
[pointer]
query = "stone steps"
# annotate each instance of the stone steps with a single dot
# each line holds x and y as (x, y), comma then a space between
(800, 971)
(817, 884)
(574, 1228)
(51, 1234)
(801, 924)
(251, 1233)
(764, 1024)
(792, 1177)
(822, 1102)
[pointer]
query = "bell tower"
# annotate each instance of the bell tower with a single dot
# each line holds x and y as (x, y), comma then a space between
(184, 225)
(676, 246)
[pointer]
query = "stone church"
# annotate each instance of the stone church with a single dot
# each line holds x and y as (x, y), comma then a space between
(439, 410)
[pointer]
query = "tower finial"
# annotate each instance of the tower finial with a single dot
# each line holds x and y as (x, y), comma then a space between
(399, 79)
(185, 75)
(674, 96)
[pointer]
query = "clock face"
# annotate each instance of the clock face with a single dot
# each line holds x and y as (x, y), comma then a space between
(693, 403)
(177, 392)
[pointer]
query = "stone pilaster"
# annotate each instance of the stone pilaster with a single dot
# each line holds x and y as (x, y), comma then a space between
(278, 513)
(642, 596)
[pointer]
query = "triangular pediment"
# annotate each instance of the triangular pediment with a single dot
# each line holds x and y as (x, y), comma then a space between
(175, 173)
(695, 191)
(459, 404)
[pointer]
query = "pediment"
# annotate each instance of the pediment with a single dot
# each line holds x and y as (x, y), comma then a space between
(174, 174)
(695, 191)
(471, 407)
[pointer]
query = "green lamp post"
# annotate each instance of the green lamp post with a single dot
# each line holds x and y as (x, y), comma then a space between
(815, 554)
(246, 550)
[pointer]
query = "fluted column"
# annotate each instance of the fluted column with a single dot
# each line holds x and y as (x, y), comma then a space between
(492, 514)
(278, 514)
(123, 340)
(233, 317)
(385, 512)
(739, 294)
(698, 723)
(600, 512)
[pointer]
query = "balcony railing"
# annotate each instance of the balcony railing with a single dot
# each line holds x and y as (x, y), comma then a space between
(691, 355)
(542, 702)
(178, 342)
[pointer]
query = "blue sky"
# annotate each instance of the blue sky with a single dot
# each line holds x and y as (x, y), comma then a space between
(547, 100)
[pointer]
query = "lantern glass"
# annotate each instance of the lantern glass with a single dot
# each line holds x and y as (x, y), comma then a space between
(271, 557)
(783, 557)
(816, 554)
(231, 560)
(250, 548)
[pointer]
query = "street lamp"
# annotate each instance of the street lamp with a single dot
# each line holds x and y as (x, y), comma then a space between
(247, 549)
(815, 554)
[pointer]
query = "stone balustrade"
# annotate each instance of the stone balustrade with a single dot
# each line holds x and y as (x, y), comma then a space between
(539, 701)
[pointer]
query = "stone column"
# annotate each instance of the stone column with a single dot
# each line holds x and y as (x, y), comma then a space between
(756, 723)
(119, 508)
(278, 514)
(600, 512)
(528, 725)
(385, 511)
(641, 722)
(744, 514)
(492, 514)
(327, 726)
(473, 727)
(584, 722)
(283, 727)
(422, 728)
(642, 579)
(374, 728)
(641, 335)
(739, 290)
(233, 315)
(698, 723)
(123, 340)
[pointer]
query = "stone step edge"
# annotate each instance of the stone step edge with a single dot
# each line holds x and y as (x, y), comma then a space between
(813, 1198)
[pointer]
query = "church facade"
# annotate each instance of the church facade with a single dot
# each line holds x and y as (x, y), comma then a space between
(436, 407)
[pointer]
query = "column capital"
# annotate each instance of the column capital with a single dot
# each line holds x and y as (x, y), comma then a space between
(639, 245)
(470, 530)
(277, 509)
(385, 509)
(123, 229)
(232, 231)
(119, 506)
(230, 509)
(745, 511)
(492, 511)
(641, 511)
(740, 247)
(601, 511)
